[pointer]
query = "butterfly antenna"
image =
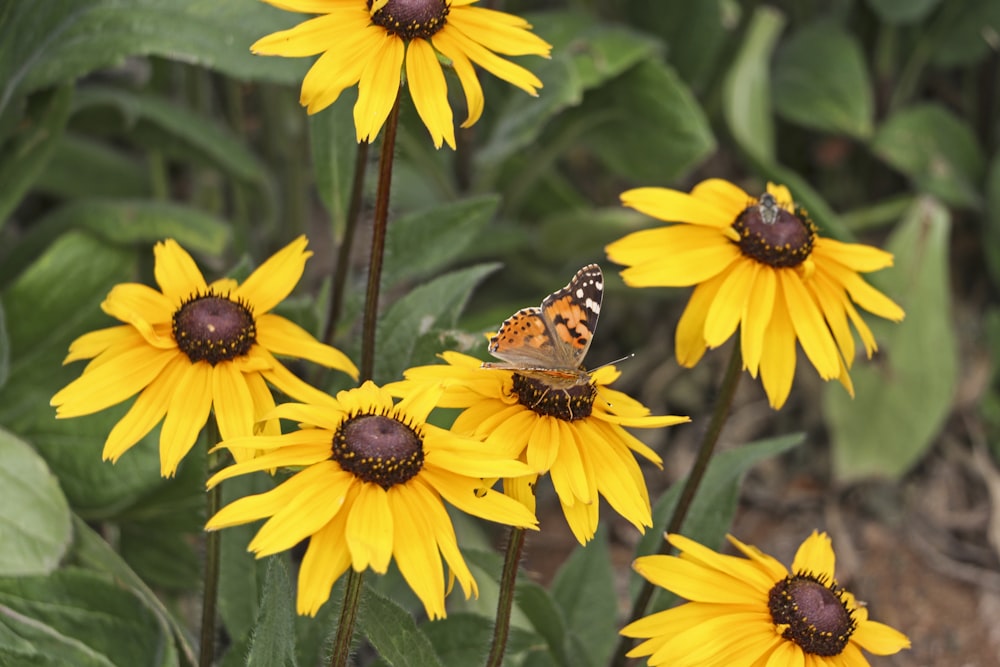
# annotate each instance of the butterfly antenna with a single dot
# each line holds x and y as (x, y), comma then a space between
(616, 361)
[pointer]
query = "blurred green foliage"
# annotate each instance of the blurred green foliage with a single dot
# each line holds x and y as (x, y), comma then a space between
(123, 122)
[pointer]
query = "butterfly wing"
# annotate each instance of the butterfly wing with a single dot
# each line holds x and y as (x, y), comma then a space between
(571, 315)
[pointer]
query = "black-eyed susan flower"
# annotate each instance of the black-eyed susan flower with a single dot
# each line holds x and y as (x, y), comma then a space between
(757, 264)
(193, 347)
(377, 44)
(371, 489)
(573, 433)
(752, 611)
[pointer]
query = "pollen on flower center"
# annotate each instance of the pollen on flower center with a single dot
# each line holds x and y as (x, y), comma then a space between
(815, 612)
(411, 19)
(566, 403)
(772, 235)
(213, 328)
(378, 449)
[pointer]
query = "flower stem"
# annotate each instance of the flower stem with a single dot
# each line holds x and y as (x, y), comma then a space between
(719, 413)
(508, 578)
(344, 253)
(352, 592)
(378, 242)
(210, 592)
(348, 615)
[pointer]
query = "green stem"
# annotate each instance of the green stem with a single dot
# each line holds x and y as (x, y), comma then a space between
(210, 592)
(352, 592)
(379, 225)
(344, 253)
(348, 615)
(719, 413)
(505, 603)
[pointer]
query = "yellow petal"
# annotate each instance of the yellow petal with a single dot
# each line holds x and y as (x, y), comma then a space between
(809, 325)
(284, 337)
(854, 256)
(777, 359)
(91, 344)
(145, 413)
(879, 639)
(186, 415)
(815, 555)
(429, 92)
(730, 301)
(111, 382)
(326, 559)
(689, 340)
(339, 68)
(143, 308)
(369, 529)
(378, 87)
(677, 206)
(663, 243)
(864, 294)
(756, 316)
(782, 195)
(313, 36)
(468, 495)
(176, 273)
(492, 63)
(234, 410)
(684, 269)
(427, 504)
(416, 554)
(275, 279)
(724, 194)
(467, 76)
(497, 31)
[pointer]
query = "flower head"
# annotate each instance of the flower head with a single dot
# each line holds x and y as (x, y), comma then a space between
(756, 612)
(757, 264)
(192, 347)
(573, 433)
(373, 478)
(369, 43)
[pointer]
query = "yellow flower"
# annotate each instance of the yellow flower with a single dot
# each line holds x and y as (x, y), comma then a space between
(191, 347)
(755, 613)
(371, 488)
(575, 434)
(757, 264)
(367, 43)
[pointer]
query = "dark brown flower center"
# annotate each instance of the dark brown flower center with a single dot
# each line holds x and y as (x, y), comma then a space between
(378, 449)
(550, 400)
(213, 328)
(815, 612)
(772, 235)
(412, 19)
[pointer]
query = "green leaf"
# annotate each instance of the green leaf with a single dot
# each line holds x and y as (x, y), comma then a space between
(435, 304)
(392, 632)
(34, 516)
(92, 552)
(586, 53)
(335, 147)
(645, 124)
(937, 150)
(274, 636)
(26, 642)
(156, 122)
(74, 37)
(422, 243)
(906, 392)
(55, 300)
(697, 32)
(714, 505)
(96, 611)
(590, 609)
(4, 348)
(903, 11)
(991, 233)
(83, 167)
(463, 639)
(545, 617)
(24, 158)
(821, 81)
(963, 33)
(746, 91)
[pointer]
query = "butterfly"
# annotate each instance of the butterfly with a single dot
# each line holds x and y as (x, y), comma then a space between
(550, 341)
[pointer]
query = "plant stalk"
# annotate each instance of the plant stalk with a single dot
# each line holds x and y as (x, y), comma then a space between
(707, 447)
(508, 579)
